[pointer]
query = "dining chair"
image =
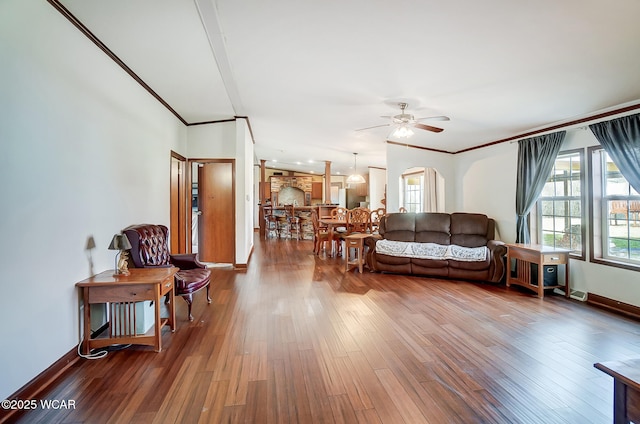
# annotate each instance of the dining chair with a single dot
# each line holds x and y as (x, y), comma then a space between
(375, 216)
(358, 220)
(320, 235)
(339, 232)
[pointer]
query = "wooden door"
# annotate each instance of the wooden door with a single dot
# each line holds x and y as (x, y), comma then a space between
(216, 222)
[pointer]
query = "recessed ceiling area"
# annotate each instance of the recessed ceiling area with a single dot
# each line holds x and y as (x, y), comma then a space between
(308, 75)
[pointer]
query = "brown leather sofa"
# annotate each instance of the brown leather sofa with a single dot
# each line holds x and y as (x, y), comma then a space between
(446, 231)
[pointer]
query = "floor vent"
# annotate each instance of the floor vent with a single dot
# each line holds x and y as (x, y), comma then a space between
(575, 294)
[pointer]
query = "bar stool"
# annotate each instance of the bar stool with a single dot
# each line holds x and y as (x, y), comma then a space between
(293, 221)
(282, 225)
(271, 223)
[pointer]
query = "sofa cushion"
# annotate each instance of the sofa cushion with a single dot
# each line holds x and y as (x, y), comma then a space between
(411, 249)
(191, 280)
(470, 229)
(393, 260)
(430, 263)
(431, 251)
(398, 227)
(433, 228)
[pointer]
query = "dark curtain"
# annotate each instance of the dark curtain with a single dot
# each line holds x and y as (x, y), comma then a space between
(536, 156)
(620, 138)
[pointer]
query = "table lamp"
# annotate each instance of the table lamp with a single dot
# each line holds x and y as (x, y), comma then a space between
(121, 243)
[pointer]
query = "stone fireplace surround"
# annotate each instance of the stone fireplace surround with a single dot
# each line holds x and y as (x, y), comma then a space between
(291, 190)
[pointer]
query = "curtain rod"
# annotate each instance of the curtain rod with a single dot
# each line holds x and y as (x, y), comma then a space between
(570, 124)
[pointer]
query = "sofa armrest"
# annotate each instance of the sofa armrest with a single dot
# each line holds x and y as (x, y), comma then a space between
(186, 261)
(370, 248)
(370, 241)
(498, 253)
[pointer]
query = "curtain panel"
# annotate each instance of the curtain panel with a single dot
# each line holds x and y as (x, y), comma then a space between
(536, 156)
(620, 138)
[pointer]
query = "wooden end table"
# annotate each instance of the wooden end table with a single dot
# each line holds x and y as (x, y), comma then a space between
(355, 241)
(527, 254)
(122, 292)
(626, 389)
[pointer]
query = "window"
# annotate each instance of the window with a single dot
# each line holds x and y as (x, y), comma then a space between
(616, 212)
(413, 191)
(559, 210)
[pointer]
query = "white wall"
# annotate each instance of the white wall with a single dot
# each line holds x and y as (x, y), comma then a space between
(86, 152)
(212, 141)
(401, 158)
(486, 181)
(230, 140)
(244, 192)
(377, 184)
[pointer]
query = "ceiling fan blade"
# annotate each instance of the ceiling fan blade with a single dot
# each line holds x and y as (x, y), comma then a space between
(434, 118)
(428, 128)
(375, 126)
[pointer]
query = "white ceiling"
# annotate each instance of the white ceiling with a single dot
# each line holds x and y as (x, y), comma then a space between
(308, 73)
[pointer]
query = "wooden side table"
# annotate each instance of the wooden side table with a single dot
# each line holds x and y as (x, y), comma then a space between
(356, 242)
(626, 389)
(122, 292)
(527, 254)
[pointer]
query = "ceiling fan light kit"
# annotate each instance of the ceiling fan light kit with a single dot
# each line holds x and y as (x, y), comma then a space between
(405, 121)
(403, 131)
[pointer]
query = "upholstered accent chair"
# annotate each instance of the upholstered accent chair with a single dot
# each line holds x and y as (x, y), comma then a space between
(150, 249)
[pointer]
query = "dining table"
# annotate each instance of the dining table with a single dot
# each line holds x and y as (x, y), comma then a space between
(332, 224)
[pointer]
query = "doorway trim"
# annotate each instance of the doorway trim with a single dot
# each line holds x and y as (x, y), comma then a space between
(178, 203)
(190, 163)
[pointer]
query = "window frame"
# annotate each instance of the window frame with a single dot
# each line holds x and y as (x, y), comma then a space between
(538, 215)
(599, 214)
(421, 190)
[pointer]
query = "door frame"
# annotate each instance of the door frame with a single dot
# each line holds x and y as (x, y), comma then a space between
(178, 200)
(190, 163)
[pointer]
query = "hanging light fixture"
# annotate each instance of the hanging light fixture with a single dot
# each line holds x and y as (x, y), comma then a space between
(355, 178)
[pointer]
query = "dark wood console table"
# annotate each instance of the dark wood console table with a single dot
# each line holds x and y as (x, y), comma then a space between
(122, 292)
(626, 389)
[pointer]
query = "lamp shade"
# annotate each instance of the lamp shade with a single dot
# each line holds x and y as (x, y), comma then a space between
(119, 242)
(355, 179)
(91, 243)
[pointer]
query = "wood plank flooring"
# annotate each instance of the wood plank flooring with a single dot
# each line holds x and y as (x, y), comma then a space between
(295, 339)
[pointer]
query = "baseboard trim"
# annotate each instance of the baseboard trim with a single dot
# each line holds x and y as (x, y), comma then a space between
(631, 311)
(41, 382)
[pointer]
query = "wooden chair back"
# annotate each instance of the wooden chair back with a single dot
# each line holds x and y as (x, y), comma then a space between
(358, 220)
(375, 218)
(339, 213)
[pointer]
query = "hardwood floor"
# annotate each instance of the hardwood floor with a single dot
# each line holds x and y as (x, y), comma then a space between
(293, 339)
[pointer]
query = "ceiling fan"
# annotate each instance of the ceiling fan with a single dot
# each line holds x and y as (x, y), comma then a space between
(405, 121)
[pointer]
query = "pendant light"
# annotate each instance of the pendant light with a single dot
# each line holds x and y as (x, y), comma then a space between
(355, 178)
